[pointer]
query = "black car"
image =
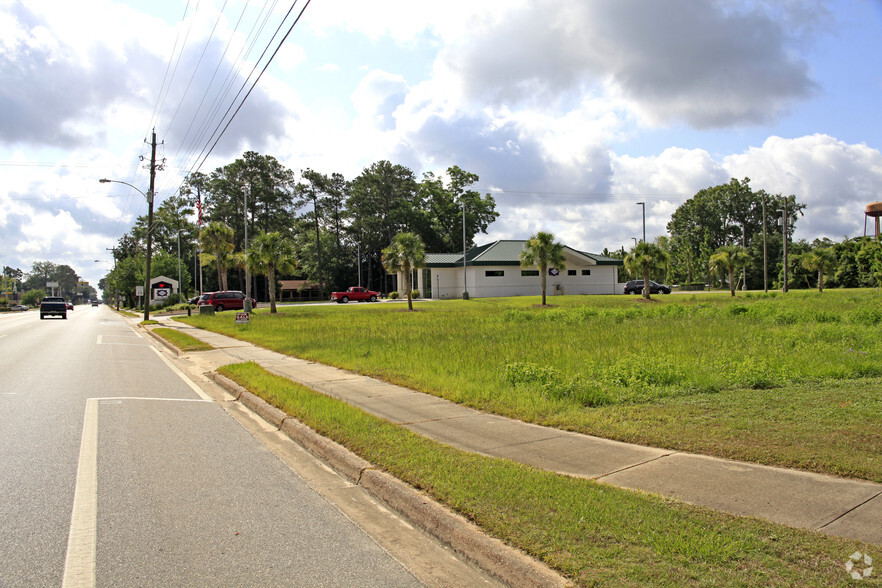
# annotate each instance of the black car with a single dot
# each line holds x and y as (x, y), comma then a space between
(636, 287)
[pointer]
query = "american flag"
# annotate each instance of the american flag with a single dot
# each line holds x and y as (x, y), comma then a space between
(199, 208)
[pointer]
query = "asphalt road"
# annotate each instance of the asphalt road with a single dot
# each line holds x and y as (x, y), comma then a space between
(115, 472)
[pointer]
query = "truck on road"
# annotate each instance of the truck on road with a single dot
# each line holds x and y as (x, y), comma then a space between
(354, 293)
(53, 306)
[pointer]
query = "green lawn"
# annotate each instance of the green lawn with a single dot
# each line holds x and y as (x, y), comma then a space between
(789, 380)
(182, 341)
(592, 533)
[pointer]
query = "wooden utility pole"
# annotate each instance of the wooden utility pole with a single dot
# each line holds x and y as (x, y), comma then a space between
(150, 193)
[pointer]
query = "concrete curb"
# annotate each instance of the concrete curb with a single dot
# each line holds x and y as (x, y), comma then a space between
(165, 343)
(503, 561)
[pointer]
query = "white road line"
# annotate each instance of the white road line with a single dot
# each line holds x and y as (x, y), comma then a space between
(183, 376)
(99, 340)
(79, 564)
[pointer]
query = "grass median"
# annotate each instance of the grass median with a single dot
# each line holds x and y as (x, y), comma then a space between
(182, 341)
(791, 380)
(592, 533)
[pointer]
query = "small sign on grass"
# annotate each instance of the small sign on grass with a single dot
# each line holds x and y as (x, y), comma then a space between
(243, 318)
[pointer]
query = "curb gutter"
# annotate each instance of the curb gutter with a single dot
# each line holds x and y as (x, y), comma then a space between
(503, 561)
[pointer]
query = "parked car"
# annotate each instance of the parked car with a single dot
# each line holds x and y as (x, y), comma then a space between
(636, 287)
(354, 293)
(68, 304)
(194, 300)
(18, 307)
(227, 300)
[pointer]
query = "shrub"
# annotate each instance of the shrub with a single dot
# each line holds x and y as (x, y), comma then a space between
(554, 385)
(414, 293)
(393, 295)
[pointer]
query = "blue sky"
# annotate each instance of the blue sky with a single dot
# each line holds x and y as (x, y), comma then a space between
(571, 112)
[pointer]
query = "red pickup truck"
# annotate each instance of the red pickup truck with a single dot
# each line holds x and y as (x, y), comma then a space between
(354, 293)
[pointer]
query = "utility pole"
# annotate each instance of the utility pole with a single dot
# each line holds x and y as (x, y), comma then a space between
(765, 252)
(784, 225)
(465, 285)
(150, 193)
(115, 290)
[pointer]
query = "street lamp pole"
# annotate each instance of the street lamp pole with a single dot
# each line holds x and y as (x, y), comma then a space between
(149, 197)
(643, 205)
(465, 286)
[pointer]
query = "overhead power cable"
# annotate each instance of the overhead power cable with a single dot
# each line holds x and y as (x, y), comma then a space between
(253, 85)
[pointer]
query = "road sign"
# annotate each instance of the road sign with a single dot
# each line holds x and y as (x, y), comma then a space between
(139, 290)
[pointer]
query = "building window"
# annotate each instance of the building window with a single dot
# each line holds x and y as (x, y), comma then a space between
(571, 272)
(494, 273)
(529, 273)
(586, 272)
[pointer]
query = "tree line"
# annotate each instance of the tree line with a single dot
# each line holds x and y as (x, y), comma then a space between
(336, 228)
(733, 236)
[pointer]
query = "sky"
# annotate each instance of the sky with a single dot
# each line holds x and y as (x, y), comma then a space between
(571, 112)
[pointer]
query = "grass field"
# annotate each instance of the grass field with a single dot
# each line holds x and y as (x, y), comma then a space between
(790, 380)
(182, 341)
(593, 533)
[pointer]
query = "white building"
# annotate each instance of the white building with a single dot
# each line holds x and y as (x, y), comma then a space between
(495, 270)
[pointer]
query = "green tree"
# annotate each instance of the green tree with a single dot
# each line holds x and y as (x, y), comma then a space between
(383, 201)
(726, 260)
(405, 254)
(271, 253)
(725, 214)
(821, 260)
(542, 251)
(644, 259)
(443, 210)
(32, 297)
(217, 241)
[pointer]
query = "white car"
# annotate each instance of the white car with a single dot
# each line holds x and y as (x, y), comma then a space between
(18, 307)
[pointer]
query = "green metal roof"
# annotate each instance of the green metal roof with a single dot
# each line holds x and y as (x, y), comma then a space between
(501, 253)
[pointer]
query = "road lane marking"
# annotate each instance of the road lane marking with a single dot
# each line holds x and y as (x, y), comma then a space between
(79, 563)
(183, 376)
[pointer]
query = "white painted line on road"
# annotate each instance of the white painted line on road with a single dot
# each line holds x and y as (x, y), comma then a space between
(79, 564)
(99, 340)
(183, 376)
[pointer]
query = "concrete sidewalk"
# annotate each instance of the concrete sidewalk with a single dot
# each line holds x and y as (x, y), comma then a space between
(836, 506)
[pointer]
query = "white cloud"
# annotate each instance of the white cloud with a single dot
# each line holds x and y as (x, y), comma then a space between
(834, 179)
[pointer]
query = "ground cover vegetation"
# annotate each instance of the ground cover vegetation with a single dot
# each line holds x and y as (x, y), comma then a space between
(182, 341)
(789, 380)
(592, 533)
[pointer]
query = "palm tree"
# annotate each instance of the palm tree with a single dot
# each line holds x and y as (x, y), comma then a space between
(543, 252)
(271, 253)
(644, 259)
(216, 239)
(821, 260)
(405, 254)
(728, 259)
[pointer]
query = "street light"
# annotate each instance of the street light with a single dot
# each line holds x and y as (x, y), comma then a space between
(149, 197)
(643, 205)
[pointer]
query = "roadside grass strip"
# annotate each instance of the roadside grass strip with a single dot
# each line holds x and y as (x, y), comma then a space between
(592, 533)
(182, 341)
(792, 381)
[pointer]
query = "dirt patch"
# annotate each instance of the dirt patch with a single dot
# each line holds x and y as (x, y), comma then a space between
(545, 306)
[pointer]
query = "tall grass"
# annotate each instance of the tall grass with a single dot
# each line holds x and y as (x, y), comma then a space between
(590, 357)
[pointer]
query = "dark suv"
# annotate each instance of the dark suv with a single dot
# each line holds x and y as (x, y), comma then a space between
(636, 287)
(228, 300)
